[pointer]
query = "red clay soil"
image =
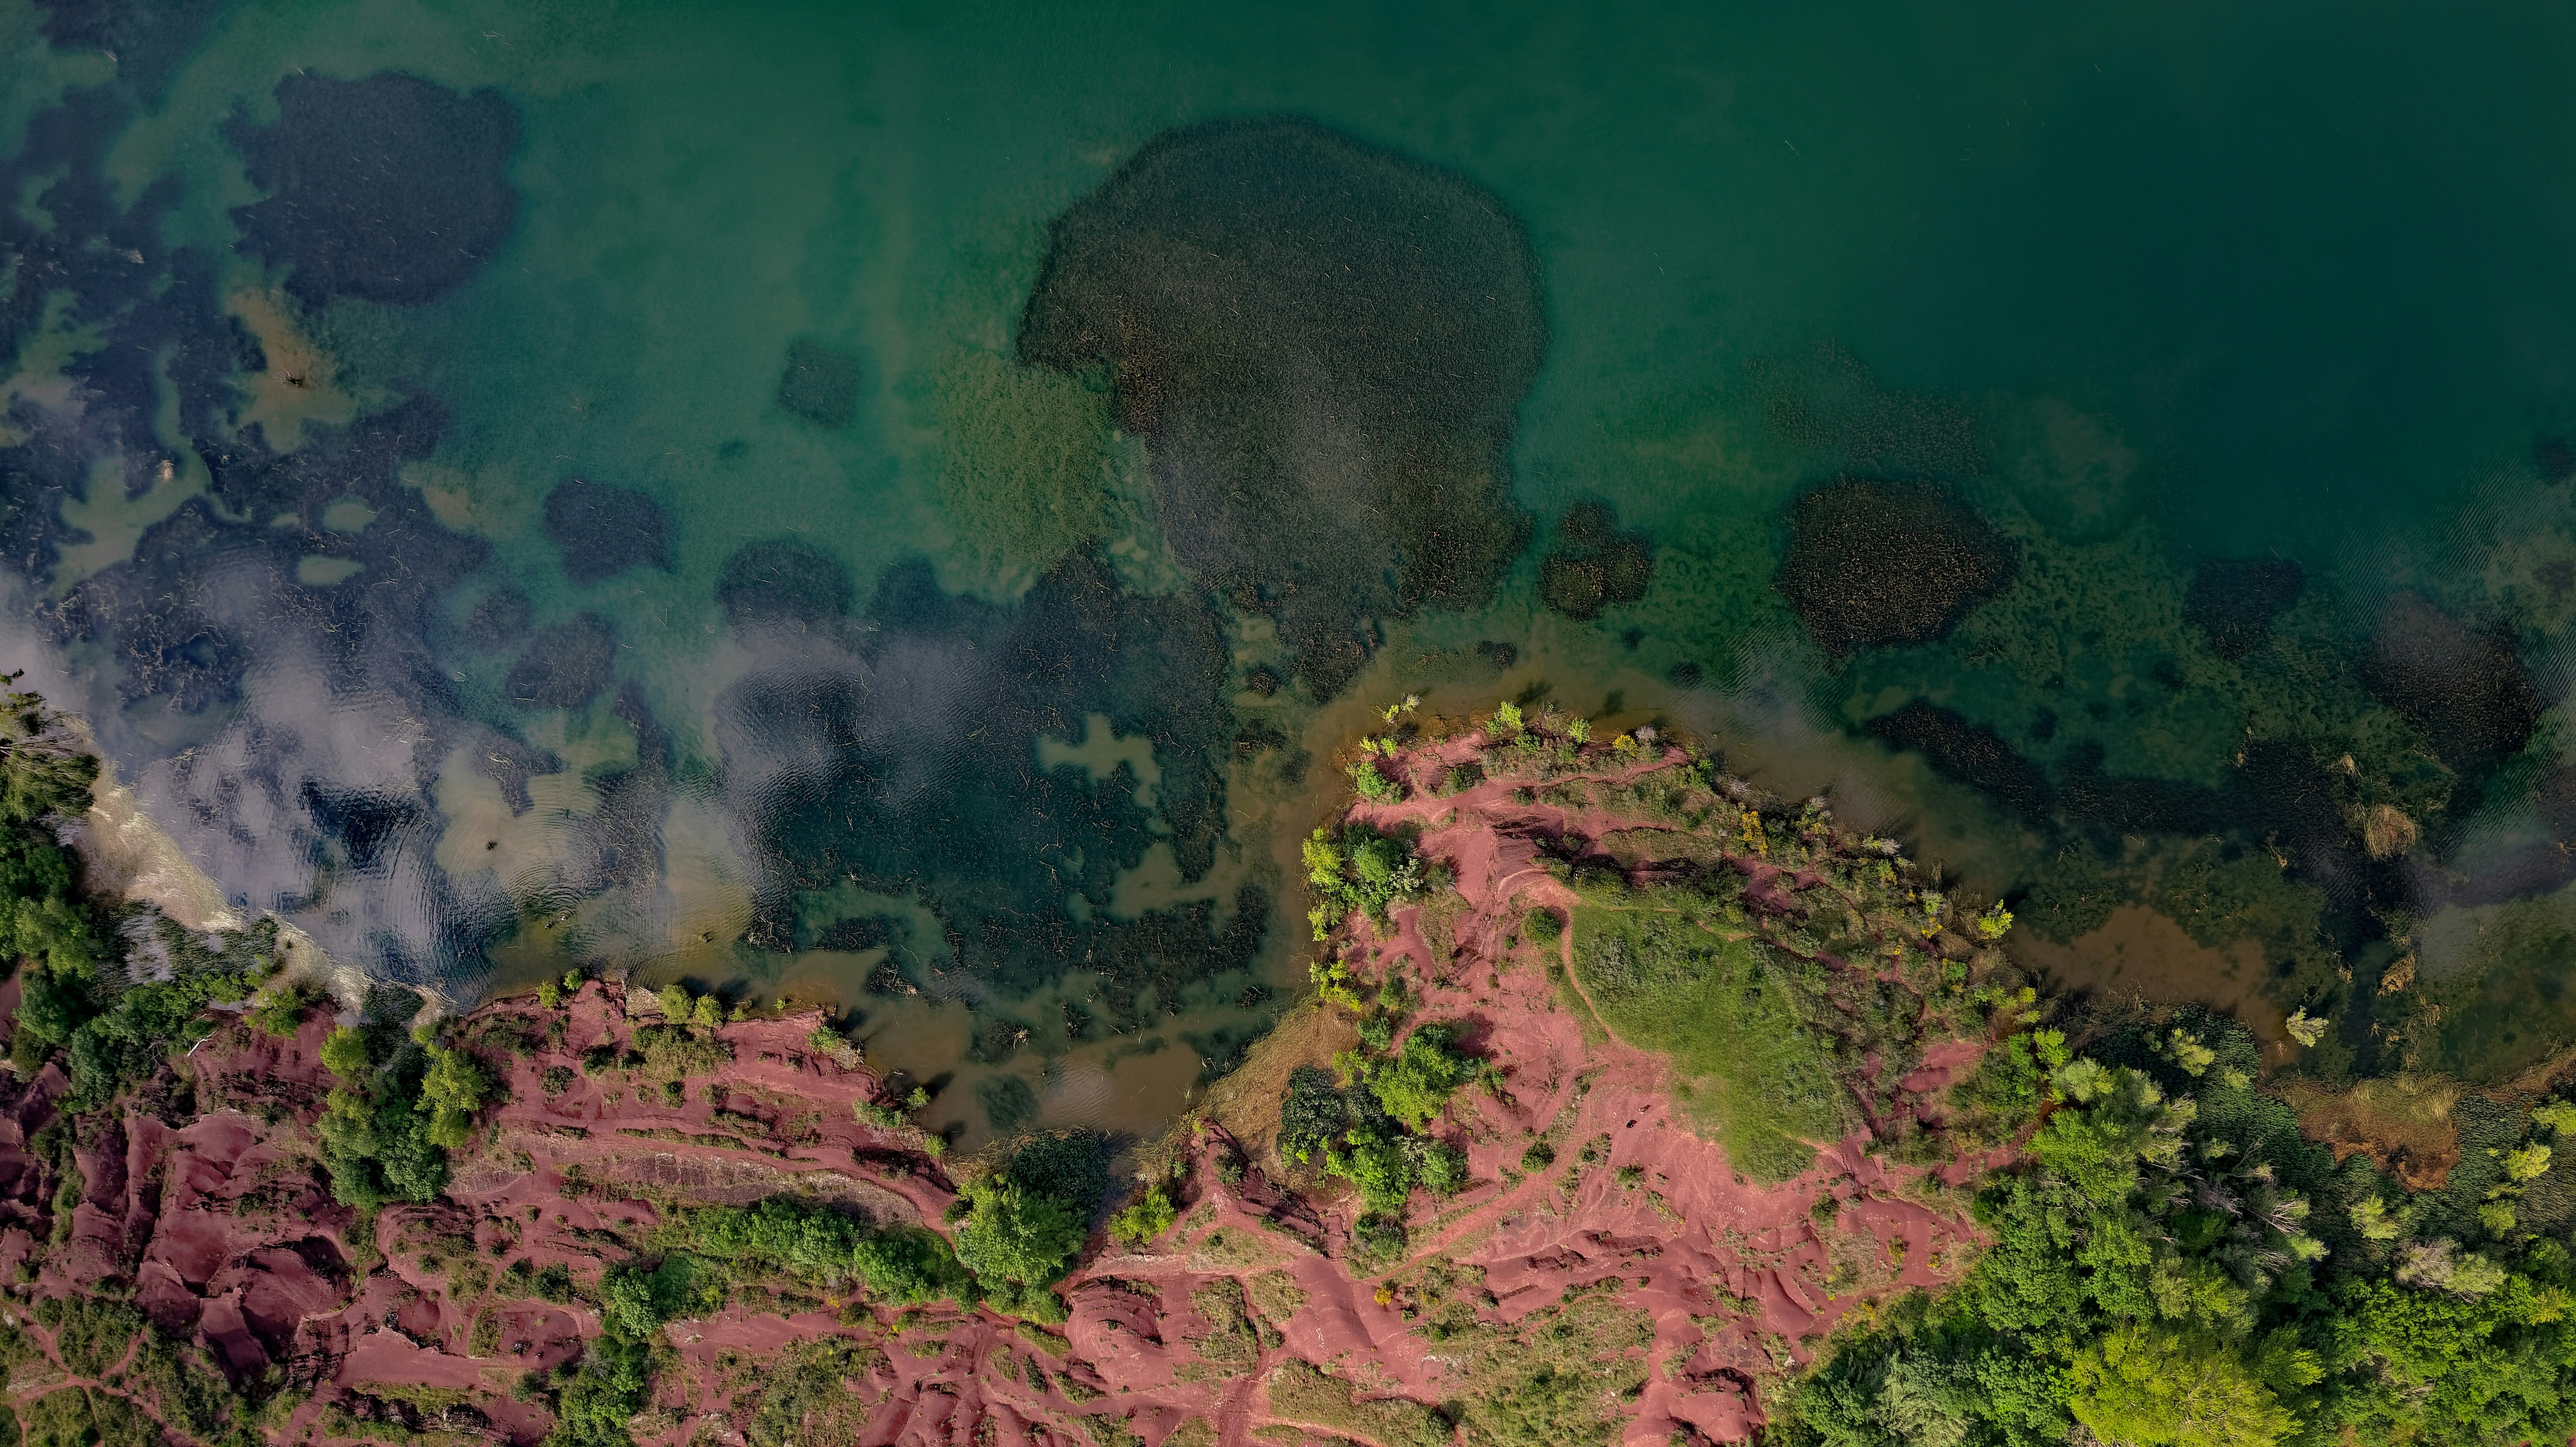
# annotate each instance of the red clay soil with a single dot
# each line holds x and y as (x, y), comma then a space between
(1733, 1276)
(229, 1238)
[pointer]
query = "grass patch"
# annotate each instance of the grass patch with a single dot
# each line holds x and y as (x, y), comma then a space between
(1559, 1377)
(1277, 1295)
(1233, 1249)
(803, 1399)
(1300, 1391)
(74, 1416)
(1748, 1071)
(1230, 1345)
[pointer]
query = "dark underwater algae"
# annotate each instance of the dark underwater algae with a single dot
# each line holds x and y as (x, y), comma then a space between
(600, 529)
(1873, 563)
(1348, 454)
(387, 189)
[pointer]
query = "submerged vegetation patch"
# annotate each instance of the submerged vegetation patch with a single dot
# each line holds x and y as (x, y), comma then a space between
(1397, 300)
(387, 189)
(1873, 563)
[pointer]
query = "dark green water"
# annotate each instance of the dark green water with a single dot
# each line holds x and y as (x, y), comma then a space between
(940, 612)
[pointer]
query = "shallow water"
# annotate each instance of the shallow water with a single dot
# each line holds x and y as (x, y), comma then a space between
(520, 485)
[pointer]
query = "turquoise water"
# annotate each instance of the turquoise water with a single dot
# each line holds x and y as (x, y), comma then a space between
(981, 680)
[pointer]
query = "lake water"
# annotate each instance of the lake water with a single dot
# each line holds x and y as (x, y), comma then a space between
(904, 504)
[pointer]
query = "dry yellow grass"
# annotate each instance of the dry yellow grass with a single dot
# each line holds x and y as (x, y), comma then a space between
(2402, 1122)
(1246, 1102)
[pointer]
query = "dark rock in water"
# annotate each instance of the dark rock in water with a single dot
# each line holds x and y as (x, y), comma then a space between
(783, 581)
(1594, 565)
(1008, 1102)
(148, 39)
(820, 385)
(510, 763)
(388, 189)
(622, 846)
(2555, 456)
(2465, 689)
(603, 530)
(1258, 737)
(201, 596)
(1324, 345)
(565, 666)
(367, 826)
(1498, 653)
(2557, 802)
(1875, 562)
(82, 236)
(2117, 804)
(854, 935)
(175, 630)
(499, 619)
(1970, 753)
(2234, 600)
(2534, 869)
(1262, 681)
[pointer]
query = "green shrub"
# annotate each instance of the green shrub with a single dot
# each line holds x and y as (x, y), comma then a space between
(1415, 1086)
(1014, 1234)
(1312, 1115)
(1025, 1222)
(1379, 1164)
(1358, 869)
(1148, 1216)
(1378, 1238)
(452, 1089)
(1373, 786)
(1442, 1168)
(375, 1125)
(608, 1389)
(908, 1265)
(282, 1013)
(634, 1302)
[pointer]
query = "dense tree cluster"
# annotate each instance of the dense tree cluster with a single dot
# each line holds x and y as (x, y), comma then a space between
(1357, 870)
(402, 1102)
(1371, 1124)
(1020, 1226)
(2174, 1265)
(110, 988)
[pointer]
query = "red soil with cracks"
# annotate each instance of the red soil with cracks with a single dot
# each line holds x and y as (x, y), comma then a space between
(230, 1239)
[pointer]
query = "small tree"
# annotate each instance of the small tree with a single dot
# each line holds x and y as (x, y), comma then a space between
(345, 1055)
(1014, 1234)
(2157, 1388)
(452, 1091)
(1148, 1216)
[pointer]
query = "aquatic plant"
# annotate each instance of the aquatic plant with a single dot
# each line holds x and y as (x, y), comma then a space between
(1023, 455)
(1873, 563)
(1594, 565)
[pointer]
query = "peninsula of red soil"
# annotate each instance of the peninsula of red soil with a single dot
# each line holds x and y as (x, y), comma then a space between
(1602, 1249)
